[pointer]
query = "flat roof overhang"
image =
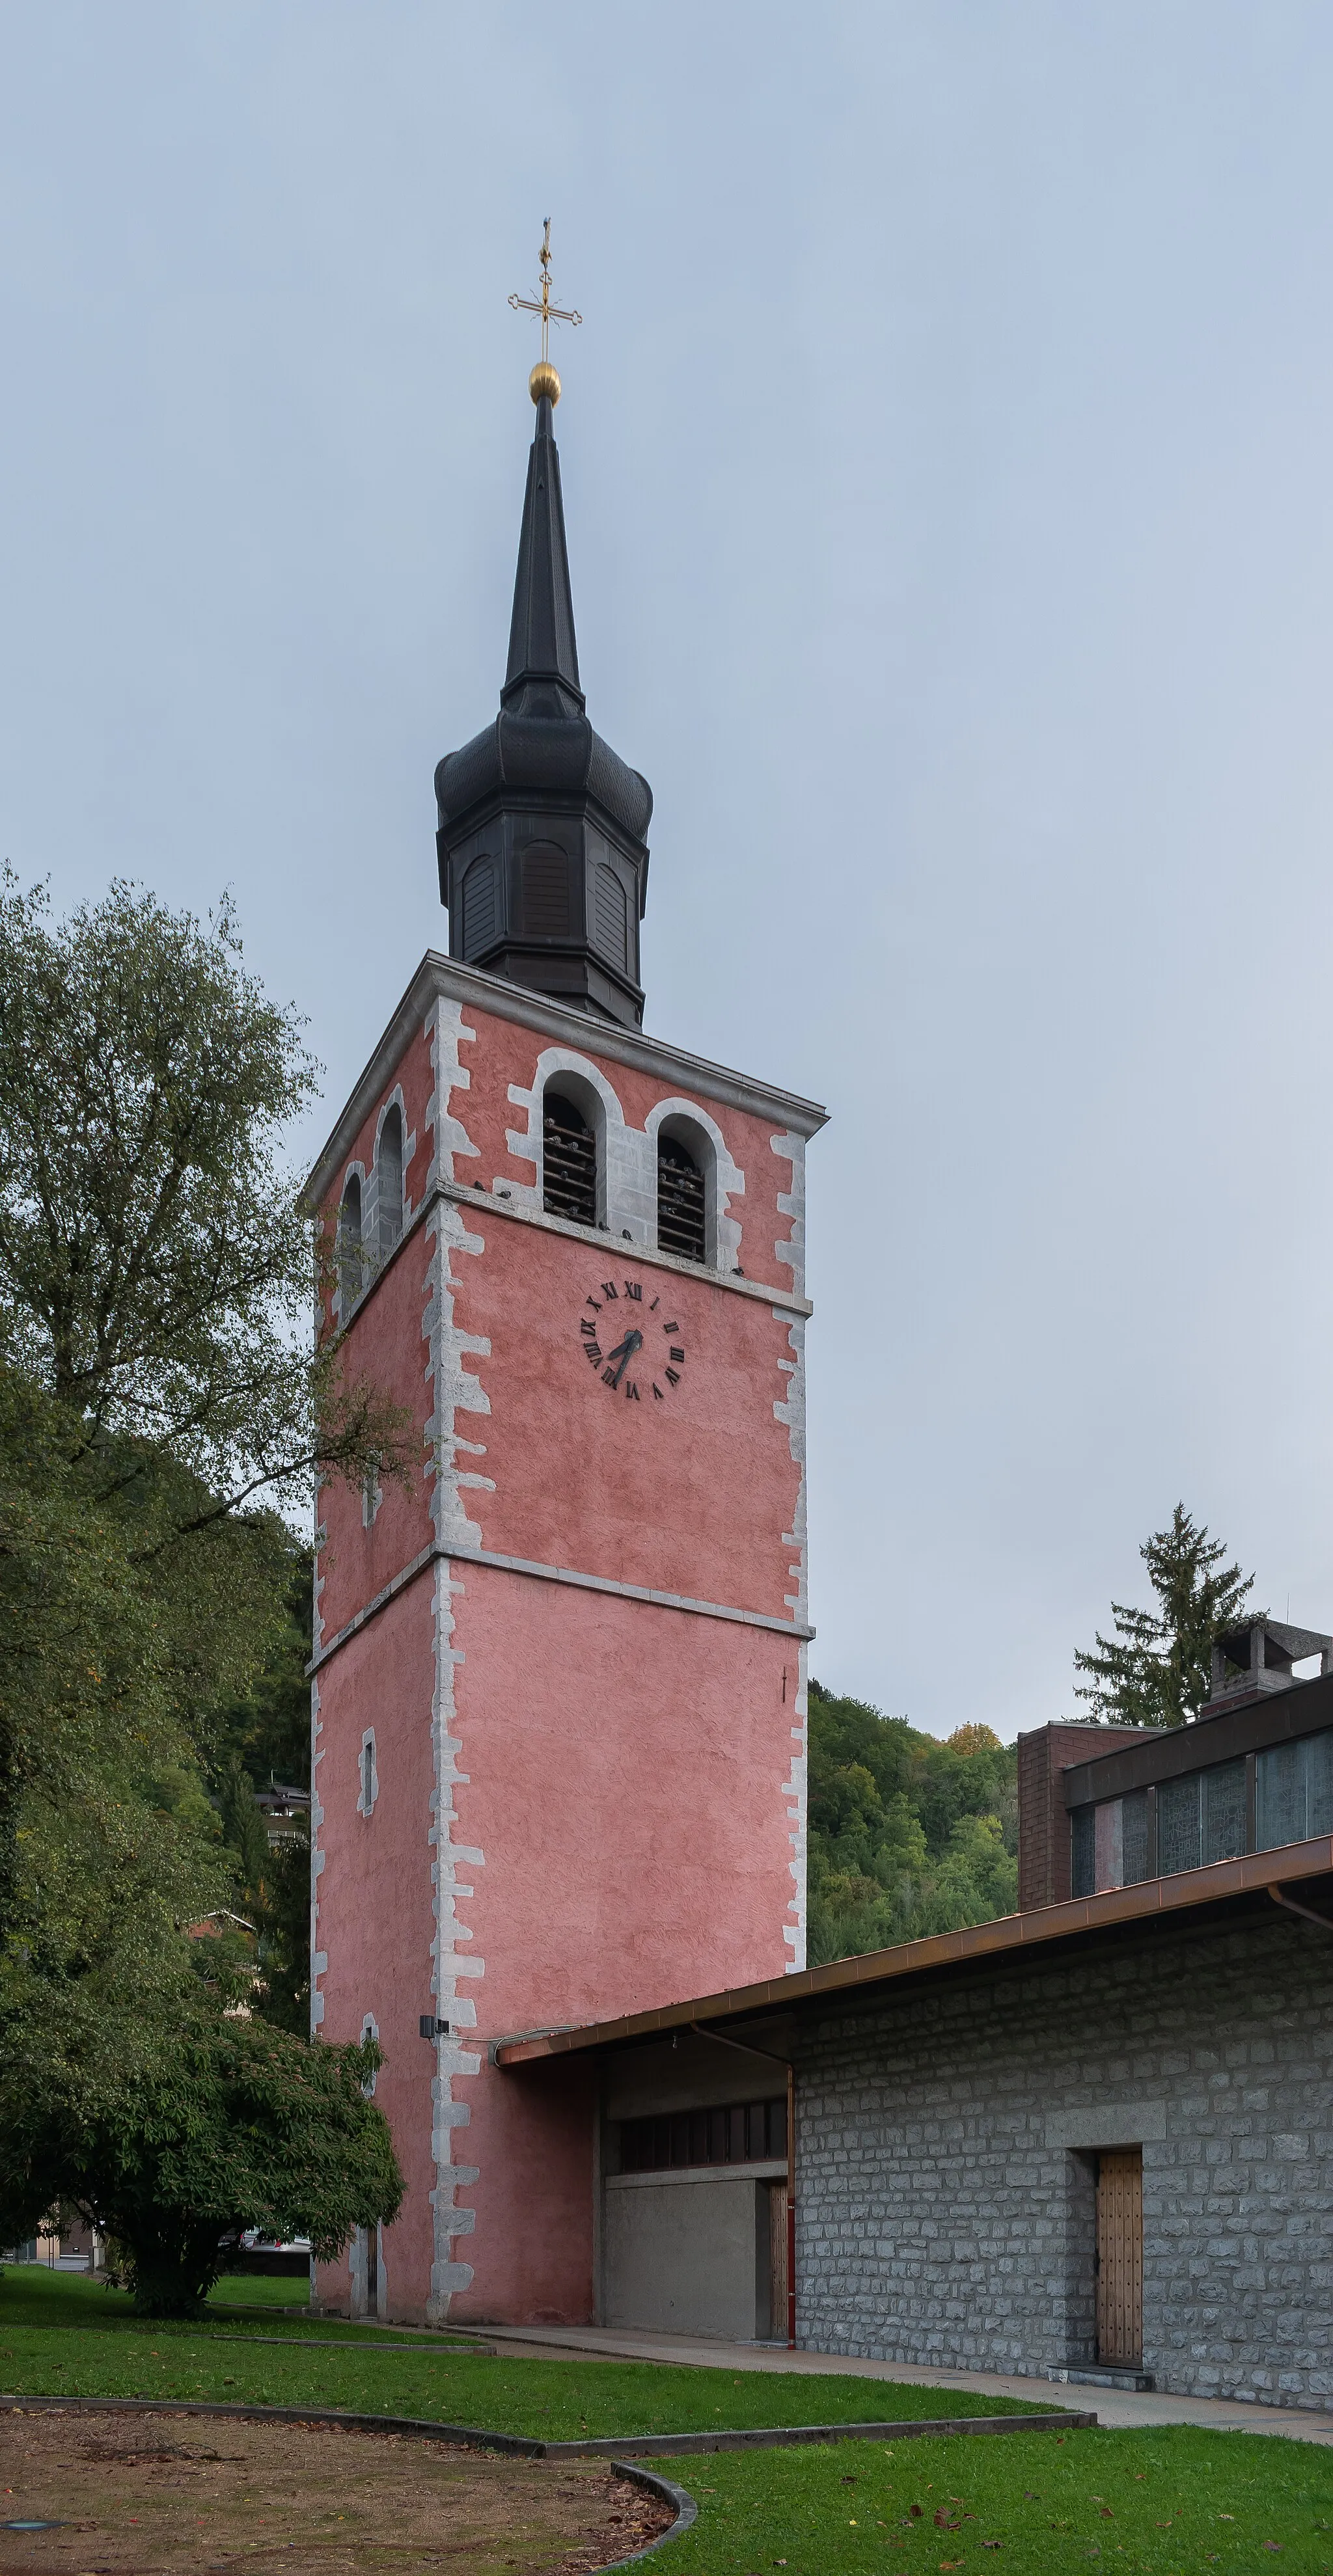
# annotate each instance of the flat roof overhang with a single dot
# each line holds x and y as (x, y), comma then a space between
(1226, 1885)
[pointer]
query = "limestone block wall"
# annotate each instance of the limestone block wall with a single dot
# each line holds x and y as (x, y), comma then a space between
(945, 2141)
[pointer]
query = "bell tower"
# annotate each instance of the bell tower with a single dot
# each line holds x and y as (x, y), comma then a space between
(559, 1670)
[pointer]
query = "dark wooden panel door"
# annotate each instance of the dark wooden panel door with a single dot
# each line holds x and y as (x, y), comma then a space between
(1120, 2256)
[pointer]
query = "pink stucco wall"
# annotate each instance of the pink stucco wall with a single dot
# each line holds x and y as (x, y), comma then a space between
(598, 1791)
(690, 1494)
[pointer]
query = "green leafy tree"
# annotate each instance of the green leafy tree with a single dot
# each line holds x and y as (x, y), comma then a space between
(155, 1255)
(264, 1742)
(1157, 1669)
(907, 1835)
(156, 1266)
(161, 1401)
(174, 2152)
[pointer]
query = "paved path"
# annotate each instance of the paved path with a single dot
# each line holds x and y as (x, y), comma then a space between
(1114, 2406)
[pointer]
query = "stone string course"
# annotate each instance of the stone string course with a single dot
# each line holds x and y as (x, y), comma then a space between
(937, 2224)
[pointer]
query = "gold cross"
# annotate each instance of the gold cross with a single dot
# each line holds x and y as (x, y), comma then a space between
(548, 311)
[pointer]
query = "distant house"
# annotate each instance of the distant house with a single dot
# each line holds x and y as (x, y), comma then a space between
(286, 1813)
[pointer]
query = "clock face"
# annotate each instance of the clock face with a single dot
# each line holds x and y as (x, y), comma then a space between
(632, 1341)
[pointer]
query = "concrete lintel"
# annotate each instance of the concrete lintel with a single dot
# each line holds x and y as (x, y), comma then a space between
(771, 2171)
(1108, 2124)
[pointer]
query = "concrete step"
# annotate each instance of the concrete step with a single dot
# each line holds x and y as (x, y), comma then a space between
(1095, 2378)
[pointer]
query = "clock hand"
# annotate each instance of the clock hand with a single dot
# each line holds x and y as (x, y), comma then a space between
(624, 1352)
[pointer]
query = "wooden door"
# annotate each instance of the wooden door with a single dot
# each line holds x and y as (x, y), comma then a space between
(1120, 2256)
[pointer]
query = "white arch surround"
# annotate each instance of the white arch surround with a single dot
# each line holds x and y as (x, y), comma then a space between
(370, 1192)
(345, 1306)
(723, 1179)
(600, 1103)
(626, 1156)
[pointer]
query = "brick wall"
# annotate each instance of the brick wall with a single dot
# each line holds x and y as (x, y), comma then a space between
(943, 2215)
(1043, 1825)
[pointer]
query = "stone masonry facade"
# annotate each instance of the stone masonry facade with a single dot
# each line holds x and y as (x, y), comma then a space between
(946, 2157)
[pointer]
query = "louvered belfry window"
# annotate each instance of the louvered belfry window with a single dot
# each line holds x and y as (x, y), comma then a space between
(680, 1201)
(569, 1158)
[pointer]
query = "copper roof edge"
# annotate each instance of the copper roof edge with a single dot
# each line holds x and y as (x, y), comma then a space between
(1007, 1934)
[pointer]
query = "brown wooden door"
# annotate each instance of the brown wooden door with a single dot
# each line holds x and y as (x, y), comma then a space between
(1120, 2256)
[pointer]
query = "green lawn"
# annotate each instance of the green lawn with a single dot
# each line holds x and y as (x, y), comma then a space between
(1164, 2503)
(60, 2332)
(1147, 2503)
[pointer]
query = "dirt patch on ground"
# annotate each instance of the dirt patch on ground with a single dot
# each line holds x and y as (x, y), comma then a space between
(189, 2495)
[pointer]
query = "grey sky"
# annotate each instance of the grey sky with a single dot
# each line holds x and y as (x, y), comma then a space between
(946, 462)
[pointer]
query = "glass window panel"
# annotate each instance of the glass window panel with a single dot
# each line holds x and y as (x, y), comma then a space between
(1179, 1824)
(1106, 1832)
(1134, 1837)
(1083, 1825)
(1224, 1811)
(737, 2133)
(1319, 1815)
(1281, 1795)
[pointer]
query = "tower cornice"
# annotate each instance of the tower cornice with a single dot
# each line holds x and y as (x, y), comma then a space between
(438, 975)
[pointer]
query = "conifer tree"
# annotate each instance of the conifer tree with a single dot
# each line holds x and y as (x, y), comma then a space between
(1157, 1669)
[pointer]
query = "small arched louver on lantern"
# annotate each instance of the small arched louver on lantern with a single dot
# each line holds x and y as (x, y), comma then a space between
(681, 1226)
(350, 1248)
(569, 1161)
(389, 1180)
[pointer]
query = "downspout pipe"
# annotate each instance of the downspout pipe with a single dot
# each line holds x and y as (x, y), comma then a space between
(723, 2041)
(1307, 1912)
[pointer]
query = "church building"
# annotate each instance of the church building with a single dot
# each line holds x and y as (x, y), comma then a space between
(559, 1685)
(559, 1735)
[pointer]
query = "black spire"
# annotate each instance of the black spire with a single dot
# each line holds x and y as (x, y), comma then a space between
(543, 861)
(543, 673)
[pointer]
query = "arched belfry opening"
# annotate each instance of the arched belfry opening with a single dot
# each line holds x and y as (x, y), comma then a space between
(569, 1161)
(543, 855)
(682, 1216)
(389, 1181)
(350, 1248)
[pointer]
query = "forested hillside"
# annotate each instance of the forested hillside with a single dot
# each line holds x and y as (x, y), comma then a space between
(907, 1834)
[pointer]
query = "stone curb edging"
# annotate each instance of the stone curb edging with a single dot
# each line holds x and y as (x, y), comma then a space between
(514, 2445)
(778, 2437)
(614, 2446)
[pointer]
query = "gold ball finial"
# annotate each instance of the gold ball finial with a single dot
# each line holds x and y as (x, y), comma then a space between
(544, 380)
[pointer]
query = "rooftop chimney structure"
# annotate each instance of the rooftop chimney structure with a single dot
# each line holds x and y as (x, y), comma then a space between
(1258, 1657)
